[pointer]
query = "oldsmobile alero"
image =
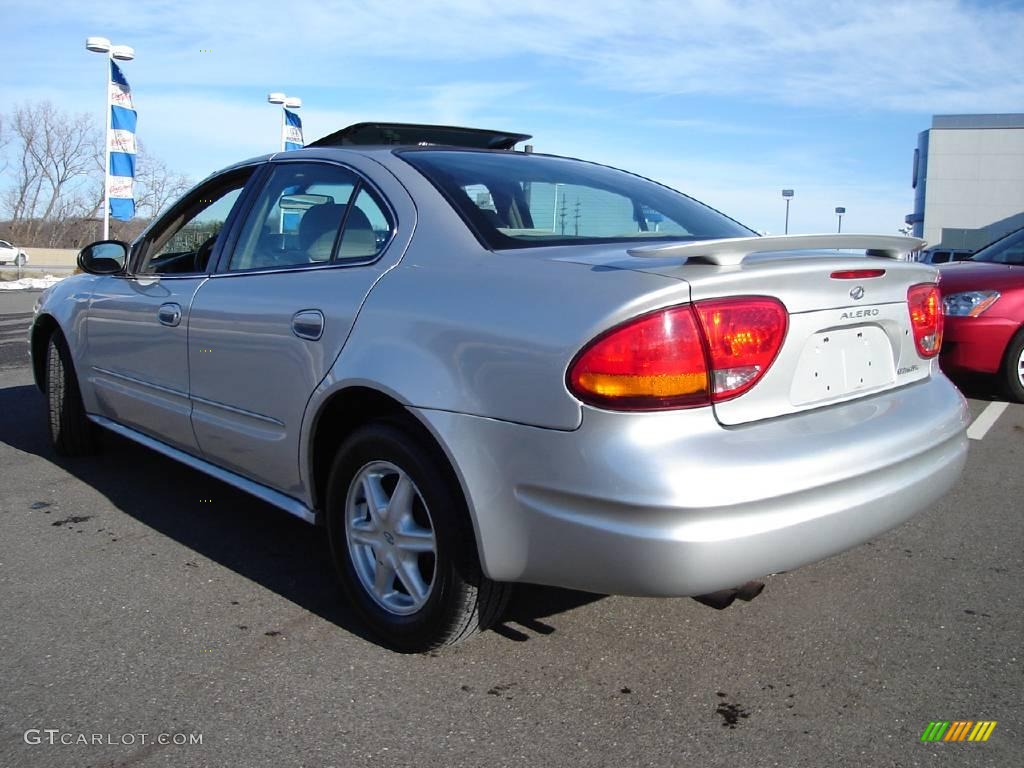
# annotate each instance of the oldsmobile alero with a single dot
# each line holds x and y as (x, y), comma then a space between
(476, 366)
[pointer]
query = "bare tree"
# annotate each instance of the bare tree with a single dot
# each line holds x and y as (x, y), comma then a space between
(55, 154)
(56, 185)
(156, 185)
(4, 141)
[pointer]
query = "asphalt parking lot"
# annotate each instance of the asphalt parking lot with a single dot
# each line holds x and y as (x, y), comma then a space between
(141, 598)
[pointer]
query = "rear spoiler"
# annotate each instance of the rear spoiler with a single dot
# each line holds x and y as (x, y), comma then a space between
(734, 250)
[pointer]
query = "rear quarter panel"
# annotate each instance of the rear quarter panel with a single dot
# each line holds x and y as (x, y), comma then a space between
(489, 334)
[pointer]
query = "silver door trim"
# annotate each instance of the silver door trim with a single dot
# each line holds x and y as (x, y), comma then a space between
(239, 411)
(140, 382)
(262, 492)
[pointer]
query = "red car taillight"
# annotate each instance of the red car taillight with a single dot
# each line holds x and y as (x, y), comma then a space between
(743, 336)
(925, 306)
(681, 357)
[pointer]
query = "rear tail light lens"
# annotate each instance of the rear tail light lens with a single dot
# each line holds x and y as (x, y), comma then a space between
(925, 306)
(653, 362)
(743, 338)
(681, 357)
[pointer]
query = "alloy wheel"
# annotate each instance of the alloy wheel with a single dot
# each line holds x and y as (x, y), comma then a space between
(391, 538)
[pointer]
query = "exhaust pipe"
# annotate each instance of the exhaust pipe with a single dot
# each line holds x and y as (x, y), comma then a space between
(723, 598)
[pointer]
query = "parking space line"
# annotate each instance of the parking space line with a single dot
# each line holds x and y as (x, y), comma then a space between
(985, 420)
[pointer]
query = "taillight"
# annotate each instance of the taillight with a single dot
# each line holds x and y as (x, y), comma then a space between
(925, 306)
(743, 335)
(681, 357)
(653, 362)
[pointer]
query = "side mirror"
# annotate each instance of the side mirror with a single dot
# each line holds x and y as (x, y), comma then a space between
(106, 257)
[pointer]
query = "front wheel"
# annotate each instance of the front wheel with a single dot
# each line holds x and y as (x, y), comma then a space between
(1013, 368)
(403, 544)
(71, 432)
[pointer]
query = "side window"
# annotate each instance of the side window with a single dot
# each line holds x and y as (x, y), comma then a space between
(310, 213)
(367, 229)
(183, 242)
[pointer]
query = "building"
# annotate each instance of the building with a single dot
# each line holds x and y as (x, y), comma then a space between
(968, 180)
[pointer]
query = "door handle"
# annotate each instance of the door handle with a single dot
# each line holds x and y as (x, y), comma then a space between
(308, 324)
(169, 314)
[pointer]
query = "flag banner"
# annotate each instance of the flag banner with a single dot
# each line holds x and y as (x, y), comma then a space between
(121, 143)
(292, 131)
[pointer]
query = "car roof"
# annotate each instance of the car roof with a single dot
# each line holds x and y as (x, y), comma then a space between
(384, 138)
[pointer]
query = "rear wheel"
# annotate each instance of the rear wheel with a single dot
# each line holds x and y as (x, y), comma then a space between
(1013, 368)
(20, 260)
(71, 432)
(403, 544)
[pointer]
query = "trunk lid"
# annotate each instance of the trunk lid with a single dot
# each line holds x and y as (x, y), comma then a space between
(837, 347)
(847, 337)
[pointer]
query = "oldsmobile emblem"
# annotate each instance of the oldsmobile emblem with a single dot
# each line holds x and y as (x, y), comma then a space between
(856, 293)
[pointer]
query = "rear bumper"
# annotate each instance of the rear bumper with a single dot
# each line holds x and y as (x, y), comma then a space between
(672, 504)
(976, 344)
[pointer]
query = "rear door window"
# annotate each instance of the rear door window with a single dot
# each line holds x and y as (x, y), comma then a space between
(311, 214)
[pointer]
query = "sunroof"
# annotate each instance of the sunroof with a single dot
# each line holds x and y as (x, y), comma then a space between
(409, 134)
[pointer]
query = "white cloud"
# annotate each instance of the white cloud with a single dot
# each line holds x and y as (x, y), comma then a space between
(930, 55)
(919, 55)
(624, 69)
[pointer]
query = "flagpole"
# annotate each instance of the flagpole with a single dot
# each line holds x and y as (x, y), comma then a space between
(284, 119)
(106, 152)
(110, 53)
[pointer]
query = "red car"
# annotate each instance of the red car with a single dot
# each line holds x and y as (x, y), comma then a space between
(983, 303)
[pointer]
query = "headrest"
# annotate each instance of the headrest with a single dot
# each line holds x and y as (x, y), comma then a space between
(318, 221)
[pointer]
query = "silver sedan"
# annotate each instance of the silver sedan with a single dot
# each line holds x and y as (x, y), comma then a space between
(475, 366)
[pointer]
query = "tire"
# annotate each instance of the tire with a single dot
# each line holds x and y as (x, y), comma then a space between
(1013, 368)
(379, 554)
(71, 432)
(20, 260)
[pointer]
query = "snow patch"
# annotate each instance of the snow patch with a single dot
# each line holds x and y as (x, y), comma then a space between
(30, 283)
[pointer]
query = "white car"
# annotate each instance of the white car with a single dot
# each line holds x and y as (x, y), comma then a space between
(9, 254)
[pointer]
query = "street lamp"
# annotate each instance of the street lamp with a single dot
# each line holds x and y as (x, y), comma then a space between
(121, 53)
(839, 212)
(286, 102)
(787, 195)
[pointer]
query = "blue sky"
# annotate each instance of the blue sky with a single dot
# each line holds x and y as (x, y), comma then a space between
(728, 101)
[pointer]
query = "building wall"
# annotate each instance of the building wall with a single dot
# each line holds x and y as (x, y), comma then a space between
(975, 176)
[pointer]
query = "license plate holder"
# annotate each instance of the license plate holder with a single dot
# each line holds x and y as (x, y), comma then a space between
(841, 362)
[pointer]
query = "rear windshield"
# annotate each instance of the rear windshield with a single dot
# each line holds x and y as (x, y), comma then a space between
(518, 200)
